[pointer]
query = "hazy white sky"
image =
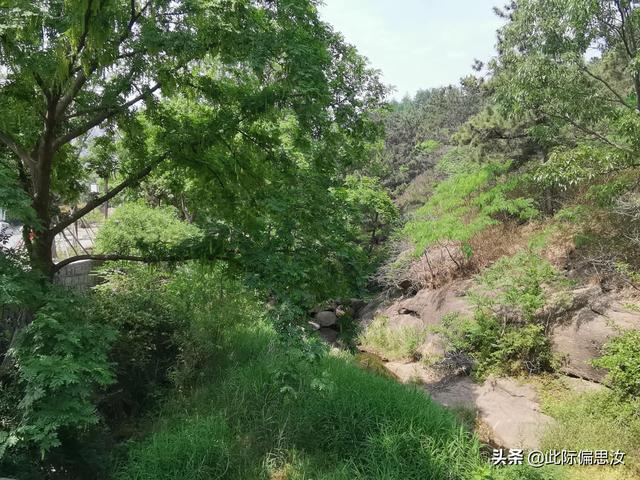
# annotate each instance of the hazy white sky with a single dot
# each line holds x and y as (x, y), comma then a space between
(417, 43)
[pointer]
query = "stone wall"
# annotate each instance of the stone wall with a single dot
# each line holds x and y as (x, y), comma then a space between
(79, 276)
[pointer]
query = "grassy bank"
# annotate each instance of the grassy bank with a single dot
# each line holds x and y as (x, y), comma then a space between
(298, 413)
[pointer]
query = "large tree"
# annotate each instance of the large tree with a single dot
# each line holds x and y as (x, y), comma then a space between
(182, 82)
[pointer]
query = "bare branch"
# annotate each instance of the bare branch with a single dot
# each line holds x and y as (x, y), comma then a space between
(95, 203)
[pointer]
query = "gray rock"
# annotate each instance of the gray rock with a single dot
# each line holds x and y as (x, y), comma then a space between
(325, 318)
(580, 340)
(507, 410)
(329, 335)
(431, 305)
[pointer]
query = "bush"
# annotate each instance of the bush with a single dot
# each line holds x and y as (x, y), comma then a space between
(171, 326)
(622, 358)
(55, 369)
(465, 204)
(516, 288)
(134, 302)
(506, 335)
(138, 229)
(496, 348)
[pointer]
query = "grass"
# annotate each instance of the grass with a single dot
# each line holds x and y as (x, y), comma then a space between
(392, 343)
(597, 420)
(269, 414)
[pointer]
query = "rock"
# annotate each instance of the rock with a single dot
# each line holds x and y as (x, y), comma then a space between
(431, 305)
(329, 335)
(366, 314)
(433, 347)
(512, 413)
(325, 318)
(580, 340)
(357, 304)
(580, 385)
(509, 411)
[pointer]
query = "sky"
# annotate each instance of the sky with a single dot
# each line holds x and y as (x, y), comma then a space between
(417, 44)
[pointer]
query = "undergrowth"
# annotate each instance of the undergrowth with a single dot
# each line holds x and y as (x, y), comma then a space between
(507, 334)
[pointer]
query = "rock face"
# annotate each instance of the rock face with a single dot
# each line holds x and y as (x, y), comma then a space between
(580, 339)
(423, 310)
(325, 318)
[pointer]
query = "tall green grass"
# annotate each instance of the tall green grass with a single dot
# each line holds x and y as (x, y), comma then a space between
(288, 413)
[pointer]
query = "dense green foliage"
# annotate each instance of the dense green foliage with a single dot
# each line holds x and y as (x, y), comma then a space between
(621, 357)
(57, 382)
(465, 204)
(136, 229)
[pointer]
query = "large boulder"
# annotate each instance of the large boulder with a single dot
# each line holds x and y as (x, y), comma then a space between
(325, 318)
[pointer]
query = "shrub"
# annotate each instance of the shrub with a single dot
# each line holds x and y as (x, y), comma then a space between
(622, 358)
(516, 287)
(498, 349)
(172, 325)
(138, 229)
(135, 303)
(465, 204)
(505, 335)
(60, 361)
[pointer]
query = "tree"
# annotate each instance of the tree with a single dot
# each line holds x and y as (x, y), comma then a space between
(72, 68)
(573, 66)
(419, 130)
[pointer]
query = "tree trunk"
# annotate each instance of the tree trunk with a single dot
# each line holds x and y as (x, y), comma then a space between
(40, 253)
(106, 204)
(40, 249)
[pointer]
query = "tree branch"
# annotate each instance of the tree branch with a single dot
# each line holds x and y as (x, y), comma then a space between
(17, 149)
(609, 87)
(588, 131)
(95, 203)
(98, 119)
(133, 258)
(77, 258)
